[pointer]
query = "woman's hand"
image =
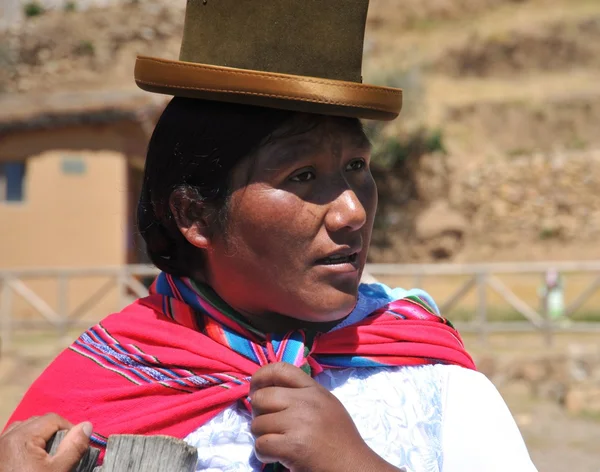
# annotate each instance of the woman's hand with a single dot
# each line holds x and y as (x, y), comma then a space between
(23, 445)
(300, 424)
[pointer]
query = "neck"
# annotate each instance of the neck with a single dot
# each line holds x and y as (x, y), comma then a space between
(273, 323)
(264, 322)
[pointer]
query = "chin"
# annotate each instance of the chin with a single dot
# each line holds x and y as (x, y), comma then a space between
(334, 306)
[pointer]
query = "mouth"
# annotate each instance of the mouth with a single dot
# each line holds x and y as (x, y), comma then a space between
(344, 262)
(338, 259)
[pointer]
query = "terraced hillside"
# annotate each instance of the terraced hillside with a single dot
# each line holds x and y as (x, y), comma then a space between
(514, 87)
(500, 84)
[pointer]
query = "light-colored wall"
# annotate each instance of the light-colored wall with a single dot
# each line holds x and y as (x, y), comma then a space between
(67, 220)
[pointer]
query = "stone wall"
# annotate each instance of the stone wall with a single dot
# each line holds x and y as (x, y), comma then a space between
(571, 378)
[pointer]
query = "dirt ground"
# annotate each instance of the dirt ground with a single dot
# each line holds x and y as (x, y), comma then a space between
(557, 442)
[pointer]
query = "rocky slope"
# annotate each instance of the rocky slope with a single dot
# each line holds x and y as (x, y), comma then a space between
(513, 86)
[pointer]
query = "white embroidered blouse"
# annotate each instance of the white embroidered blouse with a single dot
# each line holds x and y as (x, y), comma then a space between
(434, 418)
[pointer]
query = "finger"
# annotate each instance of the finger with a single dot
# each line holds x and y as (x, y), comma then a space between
(72, 447)
(269, 400)
(281, 374)
(274, 423)
(45, 426)
(270, 448)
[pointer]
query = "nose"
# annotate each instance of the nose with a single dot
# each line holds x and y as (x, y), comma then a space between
(346, 212)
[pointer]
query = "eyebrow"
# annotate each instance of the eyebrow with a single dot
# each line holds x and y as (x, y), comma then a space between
(282, 155)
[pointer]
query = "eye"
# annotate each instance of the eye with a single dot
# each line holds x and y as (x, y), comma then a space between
(356, 164)
(305, 176)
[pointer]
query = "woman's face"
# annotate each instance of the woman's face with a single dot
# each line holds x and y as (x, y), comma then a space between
(299, 226)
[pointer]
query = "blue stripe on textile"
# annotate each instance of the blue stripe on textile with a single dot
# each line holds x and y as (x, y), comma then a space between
(276, 343)
(111, 361)
(294, 347)
(189, 295)
(199, 381)
(125, 360)
(347, 361)
(97, 440)
(240, 345)
(141, 361)
(162, 284)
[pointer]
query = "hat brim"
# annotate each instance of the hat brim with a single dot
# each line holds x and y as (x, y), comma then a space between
(267, 89)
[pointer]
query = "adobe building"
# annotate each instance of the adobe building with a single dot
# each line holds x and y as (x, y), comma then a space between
(70, 172)
(71, 167)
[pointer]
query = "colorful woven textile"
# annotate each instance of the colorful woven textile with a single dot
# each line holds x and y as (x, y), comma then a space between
(169, 363)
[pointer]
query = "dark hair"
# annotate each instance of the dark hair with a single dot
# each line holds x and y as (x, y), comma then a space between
(194, 147)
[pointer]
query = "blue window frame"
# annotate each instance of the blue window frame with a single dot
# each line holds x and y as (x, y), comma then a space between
(12, 181)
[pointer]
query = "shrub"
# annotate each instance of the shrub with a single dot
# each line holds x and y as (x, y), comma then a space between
(70, 6)
(390, 152)
(85, 48)
(33, 8)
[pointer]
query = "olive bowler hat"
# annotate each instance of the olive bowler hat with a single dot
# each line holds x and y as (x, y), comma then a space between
(301, 55)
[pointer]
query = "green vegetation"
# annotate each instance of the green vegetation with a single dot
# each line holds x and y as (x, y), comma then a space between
(391, 152)
(85, 48)
(549, 233)
(70, 6)
(33, 8)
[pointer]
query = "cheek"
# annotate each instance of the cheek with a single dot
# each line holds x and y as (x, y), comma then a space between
(367, 194)
(270, 221)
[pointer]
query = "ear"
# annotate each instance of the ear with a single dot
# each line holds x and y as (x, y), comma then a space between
(192, 216)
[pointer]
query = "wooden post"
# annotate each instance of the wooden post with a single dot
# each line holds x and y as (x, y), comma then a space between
(5, 315)
(87, 462)
(547, 324)
(63, 303)
(122, 288)
(129, 453)
(133, 453)
(482, 307)
(457, 296)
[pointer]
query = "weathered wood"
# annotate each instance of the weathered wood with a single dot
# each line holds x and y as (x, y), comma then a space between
(129, 453)
(5, 315)
(482, 307)
(137, 287)
(40, 305)
(92, 300)
(87, 462)
(584, 297)
(509, 296)
(409, 270)
(446, 306)
(12, 283)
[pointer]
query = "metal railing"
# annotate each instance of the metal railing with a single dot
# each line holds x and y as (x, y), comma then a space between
(479, 279)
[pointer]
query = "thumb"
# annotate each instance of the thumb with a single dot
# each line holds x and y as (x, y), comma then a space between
(73, 447)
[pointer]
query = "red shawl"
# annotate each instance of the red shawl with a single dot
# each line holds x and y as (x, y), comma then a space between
(146, 371)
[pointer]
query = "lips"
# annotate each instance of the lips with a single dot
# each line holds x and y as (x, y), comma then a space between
(343, 255)
(338, 259)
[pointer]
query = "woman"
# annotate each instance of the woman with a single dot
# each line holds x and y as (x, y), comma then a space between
(258, 344)
(276, 222)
